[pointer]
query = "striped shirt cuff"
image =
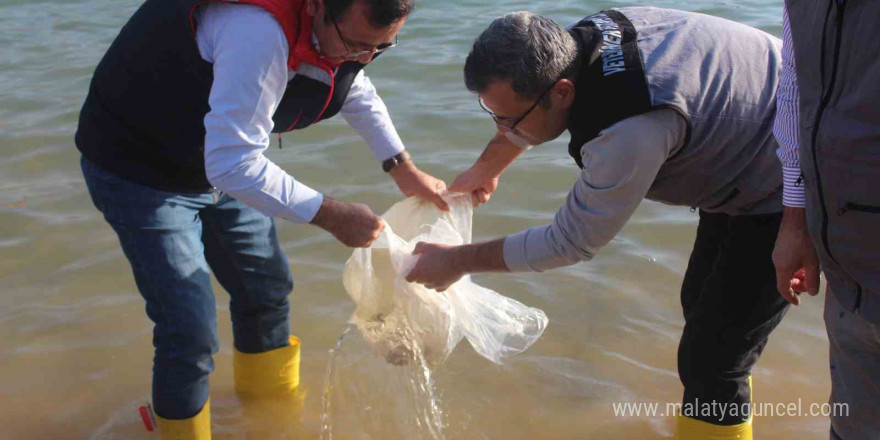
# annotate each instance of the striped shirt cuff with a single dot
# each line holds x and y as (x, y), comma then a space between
(792, 187)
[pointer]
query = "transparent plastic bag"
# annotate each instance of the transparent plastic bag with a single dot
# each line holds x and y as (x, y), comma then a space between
(400, 320)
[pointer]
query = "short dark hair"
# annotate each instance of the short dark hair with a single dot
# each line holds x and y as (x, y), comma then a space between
(530, 51)
(382, 13)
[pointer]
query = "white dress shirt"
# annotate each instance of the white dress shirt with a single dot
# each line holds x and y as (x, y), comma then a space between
(249, 52)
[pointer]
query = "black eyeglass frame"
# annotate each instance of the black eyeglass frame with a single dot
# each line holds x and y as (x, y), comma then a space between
(351, 55)
(498, 119)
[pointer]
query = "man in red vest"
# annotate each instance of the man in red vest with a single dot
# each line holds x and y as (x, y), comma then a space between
(172, 133)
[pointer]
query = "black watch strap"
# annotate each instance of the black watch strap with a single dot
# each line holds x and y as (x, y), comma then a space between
(393, 161)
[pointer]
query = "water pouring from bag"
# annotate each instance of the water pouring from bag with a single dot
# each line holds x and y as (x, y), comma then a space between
(397, 318)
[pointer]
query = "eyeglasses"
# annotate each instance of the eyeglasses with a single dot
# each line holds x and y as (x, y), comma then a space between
(503, 122)
(352, 55)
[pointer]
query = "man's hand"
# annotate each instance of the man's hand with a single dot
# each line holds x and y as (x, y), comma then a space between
(353, 224)
(413, 182)
(438, 266)
(481, 180)
(476, 181)
(797, 266)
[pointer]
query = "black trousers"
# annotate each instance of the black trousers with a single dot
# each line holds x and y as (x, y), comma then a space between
(730, 307)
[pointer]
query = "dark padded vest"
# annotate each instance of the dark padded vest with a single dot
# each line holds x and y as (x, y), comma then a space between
(143, 118)
(720, 76)
(838, 73)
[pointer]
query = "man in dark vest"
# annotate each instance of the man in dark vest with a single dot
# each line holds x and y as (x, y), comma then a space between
(172, 134)
(828, 127)
(666, 105)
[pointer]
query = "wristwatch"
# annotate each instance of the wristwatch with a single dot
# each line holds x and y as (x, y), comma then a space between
(393, 161)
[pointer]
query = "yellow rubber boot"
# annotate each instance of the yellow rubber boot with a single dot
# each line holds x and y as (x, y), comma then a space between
(268, 385)
(275, 372)
(693, 429)
(197, 427)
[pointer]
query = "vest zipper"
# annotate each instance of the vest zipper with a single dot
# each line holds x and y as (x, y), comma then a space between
(826, 98)
(295, 121)
(849, 206)
(332, 73)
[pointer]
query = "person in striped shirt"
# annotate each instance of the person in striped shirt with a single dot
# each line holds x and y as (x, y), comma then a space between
(828, 129)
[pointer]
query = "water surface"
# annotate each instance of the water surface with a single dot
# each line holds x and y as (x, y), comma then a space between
(76, 348)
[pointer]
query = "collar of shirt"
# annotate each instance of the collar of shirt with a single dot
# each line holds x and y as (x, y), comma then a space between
(314, 40)
(305, 48)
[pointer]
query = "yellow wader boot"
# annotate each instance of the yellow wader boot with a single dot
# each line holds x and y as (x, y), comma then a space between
(197, 427)
(268, 386)
(693, 429)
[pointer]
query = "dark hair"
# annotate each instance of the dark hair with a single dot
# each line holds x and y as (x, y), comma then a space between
(381, 13)
(531, 51)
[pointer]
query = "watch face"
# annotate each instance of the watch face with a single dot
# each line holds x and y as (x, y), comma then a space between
(395, 160)
(388, 164)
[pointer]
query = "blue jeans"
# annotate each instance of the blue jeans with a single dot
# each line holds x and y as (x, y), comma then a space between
(173, 241)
